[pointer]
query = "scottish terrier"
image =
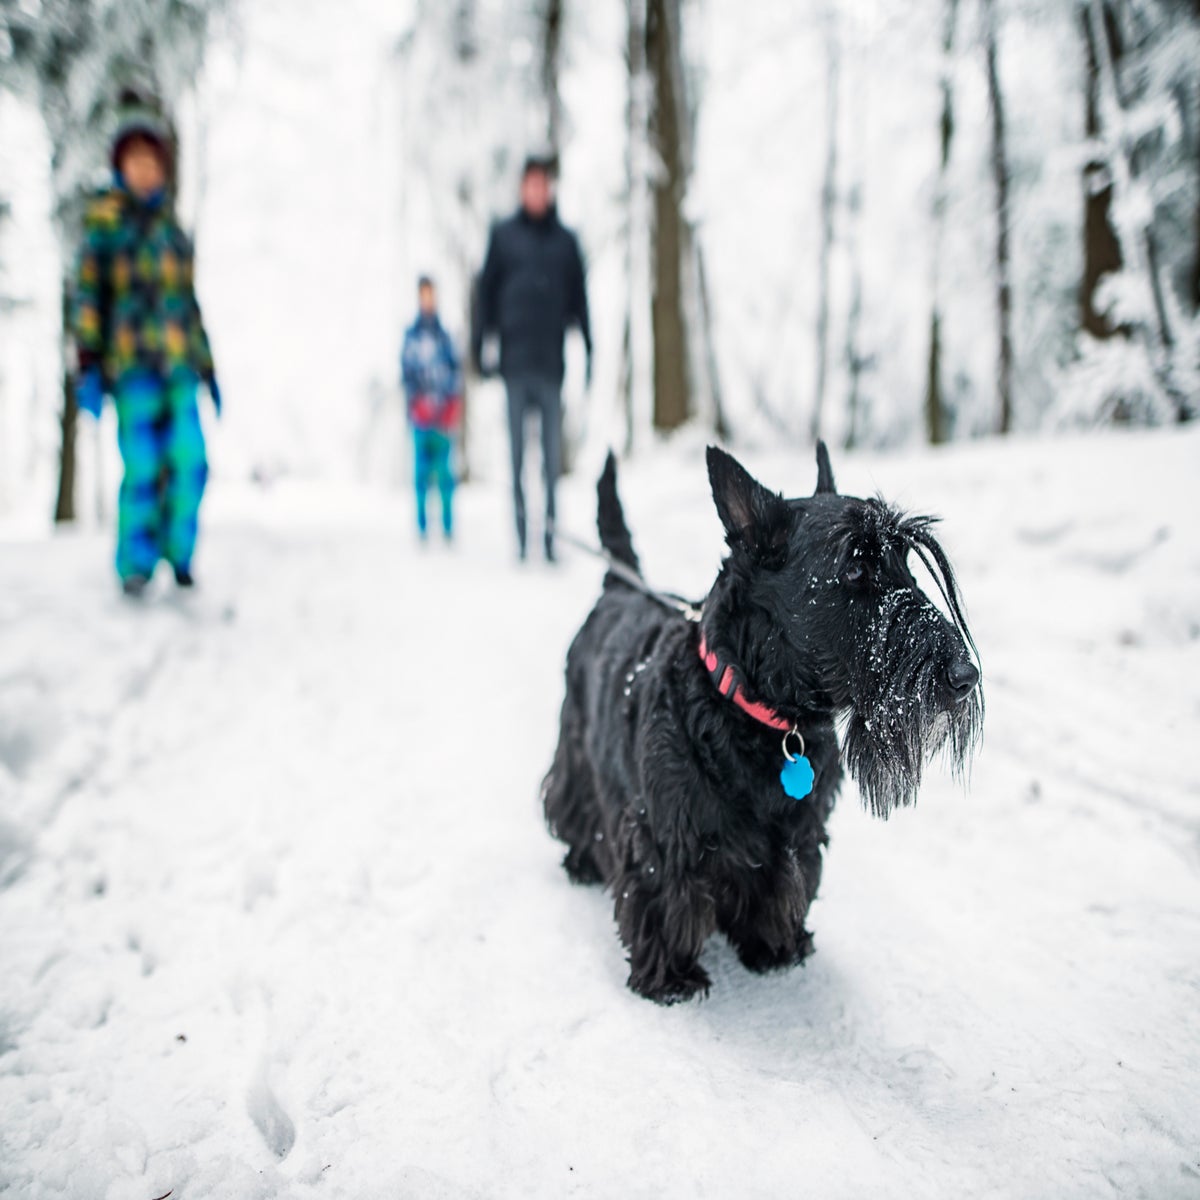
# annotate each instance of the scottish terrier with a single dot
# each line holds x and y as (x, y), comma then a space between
(698, 761)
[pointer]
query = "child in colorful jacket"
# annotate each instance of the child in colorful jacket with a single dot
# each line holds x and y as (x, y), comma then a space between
(432, 377)
(139, 336)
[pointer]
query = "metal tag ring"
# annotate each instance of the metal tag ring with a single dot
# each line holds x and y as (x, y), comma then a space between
(793, 732)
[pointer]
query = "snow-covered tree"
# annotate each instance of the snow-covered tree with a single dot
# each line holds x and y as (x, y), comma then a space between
(1140, 348)
(998, 156)
(936, 416)
(73, 58)
(478, 88)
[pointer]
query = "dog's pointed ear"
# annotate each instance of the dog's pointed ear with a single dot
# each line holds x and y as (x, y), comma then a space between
(824, 471)
(756, 520)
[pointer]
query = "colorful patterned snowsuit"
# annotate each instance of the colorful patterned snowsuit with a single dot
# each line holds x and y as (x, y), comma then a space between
(136, 319)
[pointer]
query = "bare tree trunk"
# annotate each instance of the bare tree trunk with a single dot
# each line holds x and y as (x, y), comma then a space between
(551, 19)
(635, 51)
(552, 28)
(828, 205)
(720, 422)
(465, 34)
(625, 382)
(462, 438)
(937, 416)
(637, 334)
(664, 58)
(855, 414)
(1136, 242)
(1101, 250)
(703, 369)
(857, 61)
(1003, 262)
(1195, 280)
(937, 424)
(64, 505)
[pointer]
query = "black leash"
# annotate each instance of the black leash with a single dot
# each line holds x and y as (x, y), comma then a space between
(628, 575)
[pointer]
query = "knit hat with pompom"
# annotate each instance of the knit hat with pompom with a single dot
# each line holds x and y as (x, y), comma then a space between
(136, 117)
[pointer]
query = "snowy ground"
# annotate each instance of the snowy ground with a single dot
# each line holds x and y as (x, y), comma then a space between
(278, 916)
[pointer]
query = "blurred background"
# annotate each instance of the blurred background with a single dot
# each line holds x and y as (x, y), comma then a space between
(278, 916)
(887, 223)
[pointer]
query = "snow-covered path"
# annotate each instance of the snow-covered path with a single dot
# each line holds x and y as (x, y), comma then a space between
(278, 916)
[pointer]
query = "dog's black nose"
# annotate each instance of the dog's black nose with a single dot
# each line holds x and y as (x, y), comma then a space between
(962, 677)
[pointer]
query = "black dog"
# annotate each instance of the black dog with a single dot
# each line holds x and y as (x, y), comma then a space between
(698, 762)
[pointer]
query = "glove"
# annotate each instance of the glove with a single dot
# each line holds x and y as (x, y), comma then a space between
(89, 392)
(486, 357)
(214, 393)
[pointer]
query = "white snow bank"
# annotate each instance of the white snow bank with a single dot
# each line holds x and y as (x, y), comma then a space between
(278, 916)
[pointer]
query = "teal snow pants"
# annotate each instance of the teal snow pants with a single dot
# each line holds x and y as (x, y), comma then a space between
(431, 453)
(162, 445)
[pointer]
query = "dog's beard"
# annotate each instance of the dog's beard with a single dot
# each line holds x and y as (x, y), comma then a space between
(886, 750)
(900, 717)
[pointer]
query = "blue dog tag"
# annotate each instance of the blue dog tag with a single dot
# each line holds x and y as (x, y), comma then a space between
(797, 777)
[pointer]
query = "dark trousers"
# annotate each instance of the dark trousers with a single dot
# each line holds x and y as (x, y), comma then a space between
(533, 394)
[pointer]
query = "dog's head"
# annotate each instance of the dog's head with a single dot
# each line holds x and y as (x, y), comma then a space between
(818, 603)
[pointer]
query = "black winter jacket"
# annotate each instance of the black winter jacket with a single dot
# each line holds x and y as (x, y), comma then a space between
(530, 290)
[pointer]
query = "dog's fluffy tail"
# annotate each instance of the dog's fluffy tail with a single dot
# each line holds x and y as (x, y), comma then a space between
(610, 518)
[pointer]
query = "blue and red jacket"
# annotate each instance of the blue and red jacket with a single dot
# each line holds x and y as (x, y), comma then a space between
(432, 375)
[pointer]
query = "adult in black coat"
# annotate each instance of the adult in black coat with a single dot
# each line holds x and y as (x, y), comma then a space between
(531, 290)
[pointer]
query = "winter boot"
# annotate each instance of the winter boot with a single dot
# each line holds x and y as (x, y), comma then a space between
(134, 585)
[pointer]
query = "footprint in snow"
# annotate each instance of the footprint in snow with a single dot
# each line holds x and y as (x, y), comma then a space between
(272, 1122)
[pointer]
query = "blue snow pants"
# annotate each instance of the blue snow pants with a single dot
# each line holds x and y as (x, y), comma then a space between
(431, 449)
(162, 445)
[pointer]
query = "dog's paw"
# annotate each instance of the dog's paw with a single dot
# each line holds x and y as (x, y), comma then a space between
(759, 957)
(677, 986)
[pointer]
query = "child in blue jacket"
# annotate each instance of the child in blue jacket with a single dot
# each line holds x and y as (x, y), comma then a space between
(432, 377)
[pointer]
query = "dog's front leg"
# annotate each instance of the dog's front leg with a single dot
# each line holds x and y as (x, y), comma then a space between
(764, 914)
(665, 915)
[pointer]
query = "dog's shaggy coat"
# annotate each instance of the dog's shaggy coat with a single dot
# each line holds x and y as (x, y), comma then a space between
(670, 795)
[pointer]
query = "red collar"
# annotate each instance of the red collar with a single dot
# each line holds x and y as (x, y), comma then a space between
(728, 684)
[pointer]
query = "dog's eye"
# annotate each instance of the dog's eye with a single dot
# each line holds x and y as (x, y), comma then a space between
(855, 573)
